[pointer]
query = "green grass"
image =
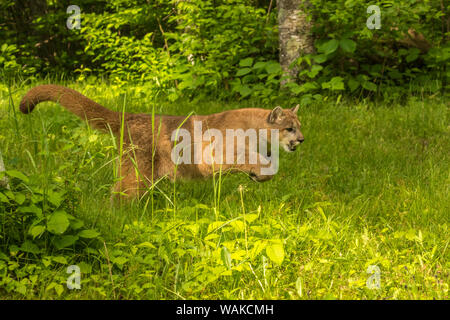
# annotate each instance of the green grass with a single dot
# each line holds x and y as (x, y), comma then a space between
(369, 186)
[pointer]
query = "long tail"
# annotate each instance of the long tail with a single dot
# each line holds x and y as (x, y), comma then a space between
(97, 115)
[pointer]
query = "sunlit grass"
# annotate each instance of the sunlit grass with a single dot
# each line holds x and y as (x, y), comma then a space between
(368, 187)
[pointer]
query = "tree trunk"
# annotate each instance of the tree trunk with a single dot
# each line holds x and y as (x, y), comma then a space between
(295, 34)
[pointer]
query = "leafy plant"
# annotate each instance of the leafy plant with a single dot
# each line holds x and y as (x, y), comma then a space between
(39, 219)
(259, 79)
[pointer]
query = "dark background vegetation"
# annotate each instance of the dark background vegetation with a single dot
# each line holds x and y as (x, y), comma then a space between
(230, 48)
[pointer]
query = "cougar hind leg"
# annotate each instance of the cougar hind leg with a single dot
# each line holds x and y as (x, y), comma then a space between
(134, 182)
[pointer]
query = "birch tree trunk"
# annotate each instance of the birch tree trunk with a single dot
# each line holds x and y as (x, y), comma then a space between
(295, 34)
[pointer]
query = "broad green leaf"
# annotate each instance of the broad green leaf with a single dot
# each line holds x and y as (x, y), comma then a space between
(395, 74)
(89, 234)
(3, 198)
(18, 175)
(410, 234)
(246, 62)
(413, 54)
(244, 90)
(273, 67)
(65, 241)
(258, 246)
(411, 57)
(214, 226)
(337, 83)
(10, 194)
(20, 198)
(193, 228)
(260, 65)
(119, 260)
(243, 71)
(50, 286)
(251, 217)
(248, 78)
(315, 69)
(60, 259)
(369, 86)
(295, 89)
(13, 249)
(30, 247)
(20, 288)
(59, 289)
(347, 45)
(308, 86)
(55, 198)
(36, 231)
(275, 252)
(3, 256)
(320, 58)
(329, 47)
(238, 254)
(318, 97)
(76, 224)
(30, 209)
(173, 96)
(146, 244)
(226, 257)
(306, 99)
(353, 84)
(237, 225)
(211, 236)
(58, 222)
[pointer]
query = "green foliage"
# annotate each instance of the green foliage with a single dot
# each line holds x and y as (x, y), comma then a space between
(196, 48)
(8, 59)
(370, 189)
(38, 218)
(212, 37)
(259, 80)
(37, 231)
(380, 61)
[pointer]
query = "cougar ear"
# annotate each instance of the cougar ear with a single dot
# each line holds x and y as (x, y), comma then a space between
(276, 114)
(295, 109)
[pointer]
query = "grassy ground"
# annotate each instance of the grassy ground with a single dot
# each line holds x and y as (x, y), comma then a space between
(369, 187)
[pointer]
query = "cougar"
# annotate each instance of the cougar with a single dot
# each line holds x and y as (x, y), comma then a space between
(152, 142)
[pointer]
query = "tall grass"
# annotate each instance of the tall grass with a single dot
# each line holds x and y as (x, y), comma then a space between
(368, 187)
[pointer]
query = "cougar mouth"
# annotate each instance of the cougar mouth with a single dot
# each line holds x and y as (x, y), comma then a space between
(290, 147)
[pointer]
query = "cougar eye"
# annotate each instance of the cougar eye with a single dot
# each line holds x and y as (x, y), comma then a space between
(290, 129)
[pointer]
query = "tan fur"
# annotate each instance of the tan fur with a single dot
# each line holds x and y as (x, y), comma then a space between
(143, 143)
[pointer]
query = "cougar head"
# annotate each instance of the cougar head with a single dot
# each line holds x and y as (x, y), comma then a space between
(286, 121)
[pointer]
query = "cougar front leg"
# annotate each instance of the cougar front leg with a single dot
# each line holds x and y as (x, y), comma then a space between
(256, 171)
(255, 175)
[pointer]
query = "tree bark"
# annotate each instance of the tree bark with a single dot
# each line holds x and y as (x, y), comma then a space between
(295, 34)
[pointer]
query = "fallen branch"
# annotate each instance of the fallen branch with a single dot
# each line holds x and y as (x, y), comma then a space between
(414, 39)
(417, 40)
